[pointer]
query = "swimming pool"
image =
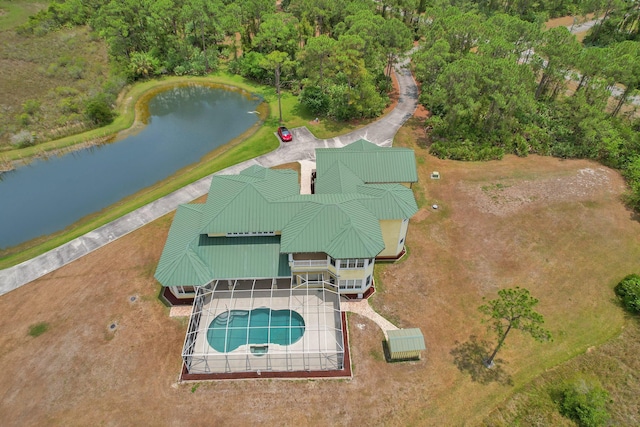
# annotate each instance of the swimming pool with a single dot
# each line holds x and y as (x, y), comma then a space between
(260, 327)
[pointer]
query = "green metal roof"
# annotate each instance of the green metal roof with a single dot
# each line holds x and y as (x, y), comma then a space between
(389, 201)
(342, 219)
(361, 145)
(405, 340)
(340, 228)
(243, 203)
(255, 257)
(338, 178)
(371, 163)
(193, 259)
(179, 264)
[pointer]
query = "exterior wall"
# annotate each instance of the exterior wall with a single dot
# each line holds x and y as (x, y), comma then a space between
(353, 274)
(180, 295)
(403, 235)
(394, 233)
(405, 355)
(310, 256)
(347, 277)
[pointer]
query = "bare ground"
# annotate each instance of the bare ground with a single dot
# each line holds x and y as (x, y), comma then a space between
(554, 226)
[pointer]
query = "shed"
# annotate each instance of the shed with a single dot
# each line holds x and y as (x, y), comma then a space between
(405, 343)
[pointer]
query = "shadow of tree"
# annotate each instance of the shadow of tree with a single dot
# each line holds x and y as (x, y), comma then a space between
(469, 356)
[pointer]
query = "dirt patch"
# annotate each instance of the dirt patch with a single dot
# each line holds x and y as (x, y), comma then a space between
(508, 196)
(567, 21)
(421, 215)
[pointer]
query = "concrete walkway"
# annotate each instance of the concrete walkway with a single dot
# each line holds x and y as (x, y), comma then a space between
(363, 308)
(303, 148)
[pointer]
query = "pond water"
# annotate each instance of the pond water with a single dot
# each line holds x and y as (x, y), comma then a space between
(184, 124)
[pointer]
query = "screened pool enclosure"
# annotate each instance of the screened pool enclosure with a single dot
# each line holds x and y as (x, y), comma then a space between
(264, 325)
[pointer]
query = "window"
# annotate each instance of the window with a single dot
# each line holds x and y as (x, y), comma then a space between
(351, 284)
(352, 263)
(185, 289)
(252, 233)
(332, 261)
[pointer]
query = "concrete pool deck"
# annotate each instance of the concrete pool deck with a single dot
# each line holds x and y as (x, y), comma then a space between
(381, 132)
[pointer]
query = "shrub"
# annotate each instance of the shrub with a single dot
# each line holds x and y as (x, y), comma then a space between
(52, 70)
(24, 119)
(66, 91)
(113, 86)
(76, 72)
(68, 105)
(143, 65)
(628, 290)
(31, 106)
(24, 138)
(180, 70)
(38, 329)
(585, 404)
(98, 110)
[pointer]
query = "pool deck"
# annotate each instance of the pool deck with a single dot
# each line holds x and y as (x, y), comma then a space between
(360, 307)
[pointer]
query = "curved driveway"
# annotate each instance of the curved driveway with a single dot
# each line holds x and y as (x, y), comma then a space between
(380, 132)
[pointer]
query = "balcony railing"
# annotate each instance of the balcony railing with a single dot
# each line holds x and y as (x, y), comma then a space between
(309, 263)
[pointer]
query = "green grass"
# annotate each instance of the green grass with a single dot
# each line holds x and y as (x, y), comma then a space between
(614, 364)
(255, 142)
(38, 329)
(16, 13)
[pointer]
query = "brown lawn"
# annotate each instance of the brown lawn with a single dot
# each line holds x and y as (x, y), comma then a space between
(554, 226)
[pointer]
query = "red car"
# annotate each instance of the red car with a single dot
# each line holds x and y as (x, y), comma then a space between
(284, 134)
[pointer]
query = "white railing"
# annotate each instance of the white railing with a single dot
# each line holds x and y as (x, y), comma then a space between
(310, 263)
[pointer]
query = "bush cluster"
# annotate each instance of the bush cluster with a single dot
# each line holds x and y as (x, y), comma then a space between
(585, 404)
(628, 290)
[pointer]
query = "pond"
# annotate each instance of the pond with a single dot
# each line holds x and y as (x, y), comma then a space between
(184, 124)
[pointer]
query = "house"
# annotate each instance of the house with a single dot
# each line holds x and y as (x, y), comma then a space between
(257, 247)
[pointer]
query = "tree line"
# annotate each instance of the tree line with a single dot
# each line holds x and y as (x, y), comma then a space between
(337, 53)
(497, 84)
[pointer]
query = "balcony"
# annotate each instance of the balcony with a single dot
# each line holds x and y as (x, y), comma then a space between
(316, 264)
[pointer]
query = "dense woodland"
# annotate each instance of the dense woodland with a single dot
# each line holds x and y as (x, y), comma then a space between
(494, 80)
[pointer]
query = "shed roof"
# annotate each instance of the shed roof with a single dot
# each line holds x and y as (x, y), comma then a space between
(405, 340)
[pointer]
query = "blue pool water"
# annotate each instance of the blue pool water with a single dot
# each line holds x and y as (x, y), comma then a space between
(234, 328)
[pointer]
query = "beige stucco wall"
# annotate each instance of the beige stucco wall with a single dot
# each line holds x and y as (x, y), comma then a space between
(393, 232)
(178, 295)
(362, 273)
